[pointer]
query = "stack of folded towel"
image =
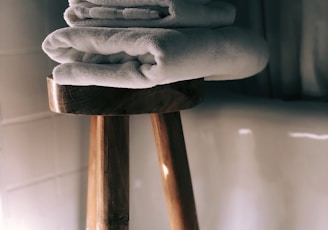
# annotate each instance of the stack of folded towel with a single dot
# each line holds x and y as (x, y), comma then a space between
(143, 43)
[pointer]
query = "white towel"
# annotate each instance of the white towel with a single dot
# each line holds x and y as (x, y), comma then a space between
(148, 13)
(145, 57)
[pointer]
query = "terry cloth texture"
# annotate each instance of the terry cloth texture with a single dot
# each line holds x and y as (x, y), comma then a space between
(145, 57)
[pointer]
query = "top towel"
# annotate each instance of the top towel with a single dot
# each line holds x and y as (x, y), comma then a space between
(148, 13)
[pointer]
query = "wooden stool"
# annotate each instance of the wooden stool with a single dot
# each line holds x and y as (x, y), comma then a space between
(108, 178)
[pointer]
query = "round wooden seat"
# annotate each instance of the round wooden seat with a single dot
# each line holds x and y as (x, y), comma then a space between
(97, 100)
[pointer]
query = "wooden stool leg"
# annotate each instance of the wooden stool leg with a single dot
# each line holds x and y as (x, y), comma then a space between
(91, 199)
(110, 193)
(175, 171)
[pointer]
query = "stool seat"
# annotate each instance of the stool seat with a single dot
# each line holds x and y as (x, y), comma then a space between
(98, 100)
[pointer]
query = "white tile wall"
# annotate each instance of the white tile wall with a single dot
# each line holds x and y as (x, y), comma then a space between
(29, 151)
(33, 207)
(256, 164)
(2, 226)
(72, 196)
(23, 88)
(147, 204)
(259, 164)
(1, 176)
(43, 157)
(71, 130)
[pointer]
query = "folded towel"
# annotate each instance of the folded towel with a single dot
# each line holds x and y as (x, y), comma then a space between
(148, 13)
(145, 57)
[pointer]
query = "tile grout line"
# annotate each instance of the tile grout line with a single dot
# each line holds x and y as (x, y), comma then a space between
(44, 178)
(28, 118)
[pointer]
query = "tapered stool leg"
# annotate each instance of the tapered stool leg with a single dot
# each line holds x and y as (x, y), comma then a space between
(110, 168)
(91, 198)
(175, 171)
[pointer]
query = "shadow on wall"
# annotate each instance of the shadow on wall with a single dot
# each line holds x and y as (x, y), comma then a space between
(297, 35)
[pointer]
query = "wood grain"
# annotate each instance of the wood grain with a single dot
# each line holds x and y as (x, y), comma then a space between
(112, 173)
(175, 171)
(97, 100)
(92, 186)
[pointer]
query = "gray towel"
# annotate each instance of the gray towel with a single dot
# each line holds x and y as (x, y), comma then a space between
(145, 57)
(148, 13)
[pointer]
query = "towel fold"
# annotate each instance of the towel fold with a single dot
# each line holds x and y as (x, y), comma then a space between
(145, 57)
(148, 13)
